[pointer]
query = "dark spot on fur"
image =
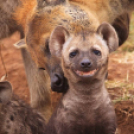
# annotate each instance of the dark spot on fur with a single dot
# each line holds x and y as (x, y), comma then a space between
(15, 113)
(11, 118)
(130, 1)
(8, 126)
(5, 111)
(40, 124)
(7, 121)
(64, 20)
(33, 128)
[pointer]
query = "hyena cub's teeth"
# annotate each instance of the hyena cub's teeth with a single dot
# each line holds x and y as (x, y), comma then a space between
(90, 73)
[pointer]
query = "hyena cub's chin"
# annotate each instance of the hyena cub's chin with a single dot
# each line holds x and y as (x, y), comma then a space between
(85, 56)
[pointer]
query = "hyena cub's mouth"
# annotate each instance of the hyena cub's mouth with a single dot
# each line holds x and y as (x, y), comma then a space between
(89, 73)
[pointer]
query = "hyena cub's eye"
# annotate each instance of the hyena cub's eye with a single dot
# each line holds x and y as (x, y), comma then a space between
(73, 54)
(97, 52)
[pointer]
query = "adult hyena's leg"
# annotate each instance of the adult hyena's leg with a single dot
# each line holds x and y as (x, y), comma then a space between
(39, 85)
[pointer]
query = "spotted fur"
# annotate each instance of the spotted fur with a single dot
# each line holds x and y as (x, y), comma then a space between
(17, 117)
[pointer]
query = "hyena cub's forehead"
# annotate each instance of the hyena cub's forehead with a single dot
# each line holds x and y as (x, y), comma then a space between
(91, 41)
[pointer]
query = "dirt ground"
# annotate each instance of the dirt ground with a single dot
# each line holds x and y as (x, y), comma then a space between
(14, 65)
(120, 81)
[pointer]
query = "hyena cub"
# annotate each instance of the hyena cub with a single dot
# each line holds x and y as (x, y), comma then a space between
(16, 117)
(86, 107)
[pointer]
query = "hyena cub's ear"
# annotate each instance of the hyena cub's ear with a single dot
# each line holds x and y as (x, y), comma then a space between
(109, 35)
(5, 92)
(57, 39)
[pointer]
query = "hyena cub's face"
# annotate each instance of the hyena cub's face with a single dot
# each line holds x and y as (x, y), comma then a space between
(85, 55)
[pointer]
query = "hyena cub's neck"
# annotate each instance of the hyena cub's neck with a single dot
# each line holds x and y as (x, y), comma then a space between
(92, 93)
(86, 88)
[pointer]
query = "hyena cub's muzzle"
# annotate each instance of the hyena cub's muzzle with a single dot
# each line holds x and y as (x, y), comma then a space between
(84, 63)
(87, 68)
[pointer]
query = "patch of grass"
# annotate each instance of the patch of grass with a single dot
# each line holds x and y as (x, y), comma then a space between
(123, 85)
(126, 57)
(126, 98)
(124, 88)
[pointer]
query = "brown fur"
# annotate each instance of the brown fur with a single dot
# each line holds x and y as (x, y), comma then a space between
(86, 107)
(23, 11)
(17, 117)
(7, 24)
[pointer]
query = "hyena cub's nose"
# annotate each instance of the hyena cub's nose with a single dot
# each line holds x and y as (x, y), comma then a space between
(85, 63)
